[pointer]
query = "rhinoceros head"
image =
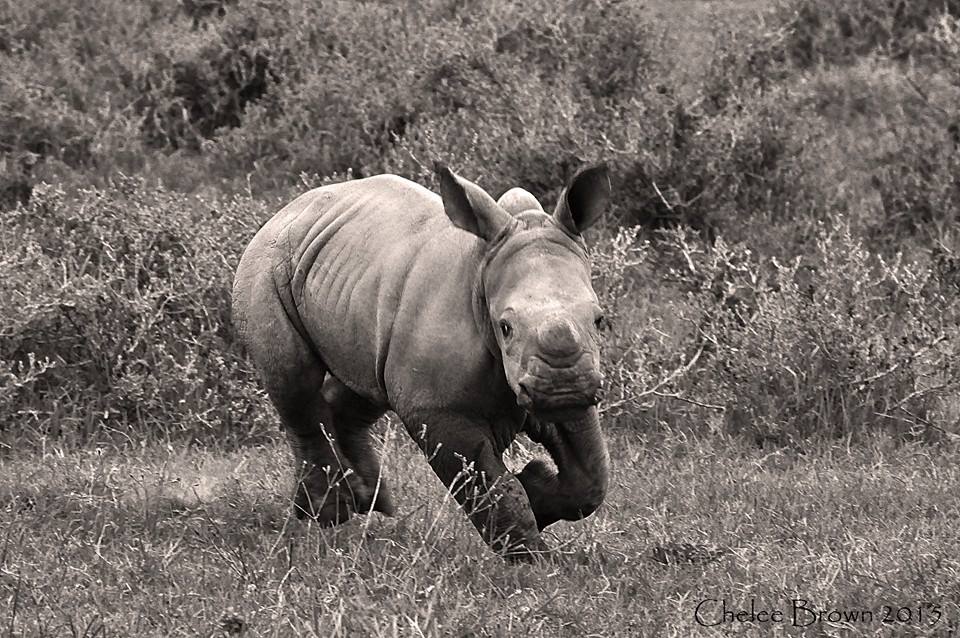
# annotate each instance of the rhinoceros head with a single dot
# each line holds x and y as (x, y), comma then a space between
(533, 295)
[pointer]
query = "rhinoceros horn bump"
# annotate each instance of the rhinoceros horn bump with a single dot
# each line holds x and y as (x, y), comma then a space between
(558, 339)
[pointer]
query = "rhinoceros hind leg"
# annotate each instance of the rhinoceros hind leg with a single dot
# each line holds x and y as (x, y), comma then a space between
(328, 489)
(353, 417)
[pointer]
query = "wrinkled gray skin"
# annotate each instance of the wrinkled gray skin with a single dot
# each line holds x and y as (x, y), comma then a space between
(361, 297)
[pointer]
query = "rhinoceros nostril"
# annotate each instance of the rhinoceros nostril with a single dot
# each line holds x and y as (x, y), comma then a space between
(598, 395)
(524, 400)
(558, 338)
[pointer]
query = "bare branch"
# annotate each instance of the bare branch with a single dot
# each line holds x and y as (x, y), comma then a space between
(655, 390)
(678, 397)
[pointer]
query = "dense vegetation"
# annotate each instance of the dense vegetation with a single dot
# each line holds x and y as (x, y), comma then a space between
(815, 165)
(780, 269)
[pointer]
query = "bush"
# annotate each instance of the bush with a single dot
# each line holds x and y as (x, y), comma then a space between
(505, 92)
(841, 343)
(822, 31)
(66, 71)
(121, 323)
(865, 136)
(919, 188)
(628, 358)
(204, 85)
(115, 317)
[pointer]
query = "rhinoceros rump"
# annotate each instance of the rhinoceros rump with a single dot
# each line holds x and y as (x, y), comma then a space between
(362, 296)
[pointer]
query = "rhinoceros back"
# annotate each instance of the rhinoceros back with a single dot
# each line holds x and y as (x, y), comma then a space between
(344, 258)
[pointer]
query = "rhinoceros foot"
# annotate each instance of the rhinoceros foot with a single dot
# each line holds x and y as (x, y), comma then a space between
(331, 498)
(528, 552)
(509, 526)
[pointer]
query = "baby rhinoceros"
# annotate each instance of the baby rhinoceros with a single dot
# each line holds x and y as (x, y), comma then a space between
(472, 319)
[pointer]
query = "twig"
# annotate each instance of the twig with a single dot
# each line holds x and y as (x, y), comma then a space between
(683, 243)
(673, 375)
(686, 256)
(16, 600)
(678, 397)
(919, 420)
(662, 198)
(926, 96)
(896, 366)
(920, 393)
(396, 140)
(655, 390)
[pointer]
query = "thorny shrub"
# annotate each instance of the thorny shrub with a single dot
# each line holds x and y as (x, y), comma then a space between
(839, 342)
(113, 312)
(627, 356)
(840, 32)
(503, 92)
(919, 188)
(114, 317)
(860, 133)
(805, 34)
(509, 94)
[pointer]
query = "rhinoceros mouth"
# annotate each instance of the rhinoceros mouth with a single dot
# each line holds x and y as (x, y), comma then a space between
(564, 394)
(533, 400)
(571, 414)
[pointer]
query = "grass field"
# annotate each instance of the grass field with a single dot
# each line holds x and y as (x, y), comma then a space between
(170, 542)
(783, 416)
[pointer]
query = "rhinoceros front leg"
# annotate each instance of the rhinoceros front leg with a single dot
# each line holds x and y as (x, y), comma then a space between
(579, 485)
(463, 453)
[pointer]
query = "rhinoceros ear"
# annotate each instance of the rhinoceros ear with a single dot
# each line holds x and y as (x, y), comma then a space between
(470, 207)
(584, 199)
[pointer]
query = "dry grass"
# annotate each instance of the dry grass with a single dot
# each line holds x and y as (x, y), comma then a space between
(163, 541)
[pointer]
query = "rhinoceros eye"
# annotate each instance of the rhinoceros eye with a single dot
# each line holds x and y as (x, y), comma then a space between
(505, 328)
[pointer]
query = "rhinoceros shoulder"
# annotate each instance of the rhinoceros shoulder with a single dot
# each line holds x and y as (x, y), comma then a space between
(394, 185)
